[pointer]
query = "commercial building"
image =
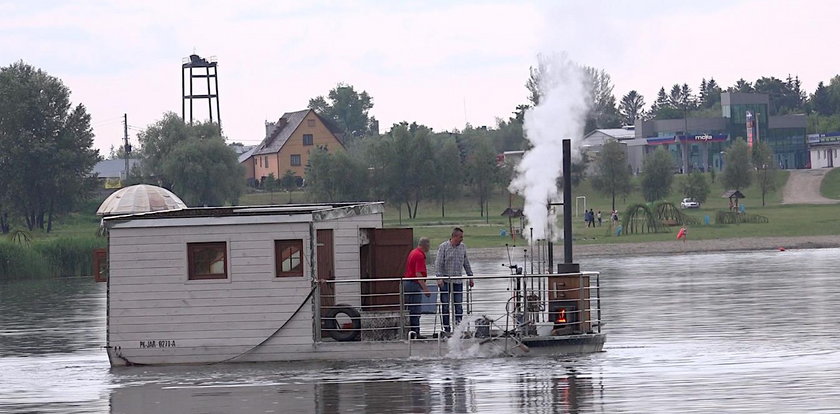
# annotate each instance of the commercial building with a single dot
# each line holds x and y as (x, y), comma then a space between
(700, 144)
(825, 150)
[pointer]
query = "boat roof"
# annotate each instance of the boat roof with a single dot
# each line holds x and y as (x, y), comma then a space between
(312, 211)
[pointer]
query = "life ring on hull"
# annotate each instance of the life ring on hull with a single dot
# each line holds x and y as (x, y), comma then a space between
(337, 327)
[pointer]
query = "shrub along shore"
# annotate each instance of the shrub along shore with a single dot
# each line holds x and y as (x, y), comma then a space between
(49, 257)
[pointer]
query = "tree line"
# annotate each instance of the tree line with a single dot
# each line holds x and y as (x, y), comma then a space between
(409, 164)
(743, 168)
(47, 156)
(787, 96)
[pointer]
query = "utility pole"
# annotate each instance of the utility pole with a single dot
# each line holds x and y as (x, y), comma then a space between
(126, 145)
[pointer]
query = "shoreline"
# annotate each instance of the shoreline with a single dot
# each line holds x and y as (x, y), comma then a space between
(662, 248)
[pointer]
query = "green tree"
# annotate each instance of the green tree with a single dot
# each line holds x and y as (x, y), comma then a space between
(602, 108)
(737, 170)
(534, 78)
(782, 99)
(409, 163)
(483, 174)
(820, 101)
(158, 140)
(709, 94)
(612, 175)
(271, 185)
(508, 135)
(657, 175)
(351, 177)
(289, 182)
(742, 86)
(348, 110)
(336, 176)
(446, 170)
(766, 173)
(320, 176)
(695, 186)
(682, 98)
(663, 108)
(204, 172)
(822, 124)
(631, 108)
(46, 153)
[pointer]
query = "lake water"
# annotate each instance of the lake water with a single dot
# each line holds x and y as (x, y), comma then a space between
(732, 332)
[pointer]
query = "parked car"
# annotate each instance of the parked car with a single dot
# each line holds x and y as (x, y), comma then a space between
(689, 203)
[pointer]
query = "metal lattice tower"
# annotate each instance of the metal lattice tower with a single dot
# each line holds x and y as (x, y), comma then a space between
(196, 67)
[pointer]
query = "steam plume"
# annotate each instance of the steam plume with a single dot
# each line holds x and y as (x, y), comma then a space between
(560, 114)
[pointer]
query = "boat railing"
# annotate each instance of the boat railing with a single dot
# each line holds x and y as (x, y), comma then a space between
(521, 305)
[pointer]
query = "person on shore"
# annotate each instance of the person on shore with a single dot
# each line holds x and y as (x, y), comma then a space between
(450, 261)
(615, 217)
(414, 283)
(599, 218)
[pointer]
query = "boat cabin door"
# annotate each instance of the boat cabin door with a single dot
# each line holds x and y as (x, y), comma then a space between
(383, 257)
(326, 268)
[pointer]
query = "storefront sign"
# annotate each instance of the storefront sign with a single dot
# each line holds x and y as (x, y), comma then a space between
(749, 129)
(704, 137)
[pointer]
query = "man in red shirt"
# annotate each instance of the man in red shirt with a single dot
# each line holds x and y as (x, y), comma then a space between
(414, 282)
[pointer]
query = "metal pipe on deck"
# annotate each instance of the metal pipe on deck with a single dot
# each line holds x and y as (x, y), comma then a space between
(567, 266)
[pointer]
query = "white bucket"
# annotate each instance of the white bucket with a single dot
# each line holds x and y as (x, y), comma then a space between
(545, 328)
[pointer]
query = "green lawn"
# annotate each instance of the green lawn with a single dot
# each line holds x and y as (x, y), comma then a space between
(481, 231)
(830, 187)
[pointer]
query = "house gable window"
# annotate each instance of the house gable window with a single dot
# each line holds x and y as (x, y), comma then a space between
(294, 159)
(307, 139)
(207, 260)
(288, 256)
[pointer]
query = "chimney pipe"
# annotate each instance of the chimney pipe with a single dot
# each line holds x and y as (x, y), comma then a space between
(567, 266)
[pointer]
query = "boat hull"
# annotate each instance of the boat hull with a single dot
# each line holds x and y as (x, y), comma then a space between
(367, 350)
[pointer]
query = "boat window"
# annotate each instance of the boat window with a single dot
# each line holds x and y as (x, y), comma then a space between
(207, 260)
(289, 257)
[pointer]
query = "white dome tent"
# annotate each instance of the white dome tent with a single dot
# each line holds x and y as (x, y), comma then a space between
(140, 198)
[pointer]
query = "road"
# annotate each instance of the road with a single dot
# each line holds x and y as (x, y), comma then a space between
(803, 187)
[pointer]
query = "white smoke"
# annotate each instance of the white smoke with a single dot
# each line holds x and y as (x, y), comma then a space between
(560, 114)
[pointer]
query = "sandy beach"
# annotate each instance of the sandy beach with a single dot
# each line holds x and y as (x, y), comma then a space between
(675, 247)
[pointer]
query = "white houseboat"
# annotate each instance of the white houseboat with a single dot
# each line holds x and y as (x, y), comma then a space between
(310, 281)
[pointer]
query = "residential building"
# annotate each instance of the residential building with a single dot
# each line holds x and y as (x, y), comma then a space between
(111, 173)
(287, 145)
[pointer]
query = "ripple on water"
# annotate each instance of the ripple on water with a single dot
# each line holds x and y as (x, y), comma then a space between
(746, 332)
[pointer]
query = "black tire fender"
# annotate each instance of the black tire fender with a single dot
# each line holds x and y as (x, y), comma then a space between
(341, 333)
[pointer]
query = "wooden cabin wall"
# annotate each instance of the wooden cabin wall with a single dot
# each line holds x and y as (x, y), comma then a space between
(151, 298)
(347, 247)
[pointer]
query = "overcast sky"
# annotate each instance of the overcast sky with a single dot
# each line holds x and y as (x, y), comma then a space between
(440, 63)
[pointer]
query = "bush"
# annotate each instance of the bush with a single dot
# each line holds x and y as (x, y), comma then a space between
(18, 262)
(640, 218)
(67, 256)
(730, 217)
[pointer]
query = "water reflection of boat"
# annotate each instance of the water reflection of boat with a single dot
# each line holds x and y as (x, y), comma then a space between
(444, 387)
(312, 281)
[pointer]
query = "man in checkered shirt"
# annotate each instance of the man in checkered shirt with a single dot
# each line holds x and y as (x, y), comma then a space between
(451, 259)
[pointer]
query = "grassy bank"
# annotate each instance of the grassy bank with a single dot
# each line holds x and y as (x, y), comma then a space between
(67, 250)
(784, 220)
(830, 187)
